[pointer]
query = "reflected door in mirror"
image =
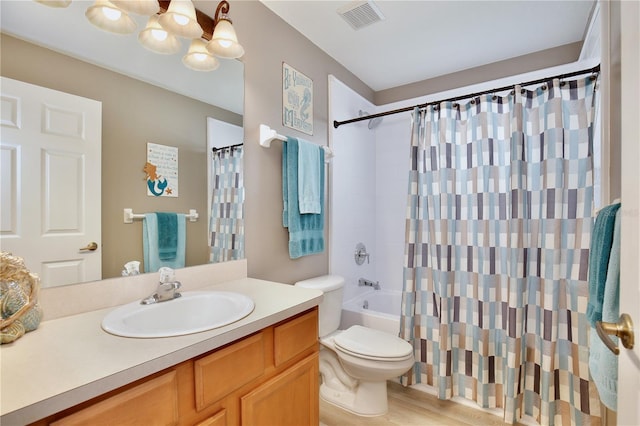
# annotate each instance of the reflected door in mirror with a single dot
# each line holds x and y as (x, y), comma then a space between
(51, 193)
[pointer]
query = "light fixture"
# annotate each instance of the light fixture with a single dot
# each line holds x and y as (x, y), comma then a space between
(180, 19)
(157, 39)
(224, 42)
(140, 7)
(54, 3)
(104, 15)
(210, 38)
(198, 57)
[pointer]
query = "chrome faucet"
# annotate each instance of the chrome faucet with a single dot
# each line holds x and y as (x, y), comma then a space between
(164, 292)
(167, 288)
(364, 282)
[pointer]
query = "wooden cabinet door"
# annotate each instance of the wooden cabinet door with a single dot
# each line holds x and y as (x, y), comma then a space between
(152, 402)
(218, 419)
(291, 398)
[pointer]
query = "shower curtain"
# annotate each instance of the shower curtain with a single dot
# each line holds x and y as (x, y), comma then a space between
(497, 243)
(227, 204)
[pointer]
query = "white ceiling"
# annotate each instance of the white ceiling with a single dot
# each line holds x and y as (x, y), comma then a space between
(418, 40)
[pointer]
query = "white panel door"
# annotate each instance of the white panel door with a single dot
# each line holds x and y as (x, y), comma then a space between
(629, 360)
(50, 147)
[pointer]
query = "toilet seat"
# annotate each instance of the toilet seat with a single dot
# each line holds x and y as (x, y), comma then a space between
(367, 343)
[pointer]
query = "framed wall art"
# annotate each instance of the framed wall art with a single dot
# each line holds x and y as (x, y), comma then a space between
(161, 170)
(297, 100)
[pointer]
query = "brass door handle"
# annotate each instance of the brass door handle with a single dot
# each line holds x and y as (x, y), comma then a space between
(92, 246)
(622, 329)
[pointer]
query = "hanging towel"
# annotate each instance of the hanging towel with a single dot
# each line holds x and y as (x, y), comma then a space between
(309, 177)
(167, 235)
(151, 243)
(601, 241)
(306, 231)
(603, 364)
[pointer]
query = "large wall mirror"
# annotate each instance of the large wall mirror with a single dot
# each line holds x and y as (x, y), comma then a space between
(145, 98)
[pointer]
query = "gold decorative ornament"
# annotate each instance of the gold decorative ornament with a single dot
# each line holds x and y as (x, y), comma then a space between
(18, 298)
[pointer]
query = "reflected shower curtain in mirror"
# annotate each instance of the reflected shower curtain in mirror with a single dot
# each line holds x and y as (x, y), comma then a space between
(498, 230)
(226, 225)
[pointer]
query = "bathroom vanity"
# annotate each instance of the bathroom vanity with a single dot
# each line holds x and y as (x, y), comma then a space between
(262, 369)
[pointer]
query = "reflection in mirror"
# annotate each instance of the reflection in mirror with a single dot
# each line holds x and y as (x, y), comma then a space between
(145, 98)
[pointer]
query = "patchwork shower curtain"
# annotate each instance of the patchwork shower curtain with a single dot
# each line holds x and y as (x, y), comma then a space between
(227, 206)
(498, 232)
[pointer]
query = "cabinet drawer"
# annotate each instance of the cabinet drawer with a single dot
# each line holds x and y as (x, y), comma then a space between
(294, 337)
(154, 401)
(226, 370)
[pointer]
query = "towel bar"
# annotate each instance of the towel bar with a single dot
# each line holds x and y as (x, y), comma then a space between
(129, 215)
(268, 135)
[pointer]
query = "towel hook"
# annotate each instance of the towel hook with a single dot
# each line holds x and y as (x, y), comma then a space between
(622, 329)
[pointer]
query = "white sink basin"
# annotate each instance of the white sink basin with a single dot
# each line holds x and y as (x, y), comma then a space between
(194, 312)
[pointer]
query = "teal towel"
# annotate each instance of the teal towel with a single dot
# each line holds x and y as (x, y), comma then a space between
(167, 235)
(309, 177)
(601, 241)
(150, 240)
(603, 364)
(306, 231)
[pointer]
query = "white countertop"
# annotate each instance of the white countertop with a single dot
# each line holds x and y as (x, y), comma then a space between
(71, 359)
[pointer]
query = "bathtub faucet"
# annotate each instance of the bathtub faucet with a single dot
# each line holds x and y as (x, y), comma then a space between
(364, 282)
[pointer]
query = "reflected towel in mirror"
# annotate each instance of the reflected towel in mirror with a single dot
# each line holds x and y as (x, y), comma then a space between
(150, 242)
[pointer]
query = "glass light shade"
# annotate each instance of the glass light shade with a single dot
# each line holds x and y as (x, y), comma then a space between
(157, 39)
(198, 57)
(54, 3)
(224, 42)
(139, 7)
(180, 19)
(104, 15)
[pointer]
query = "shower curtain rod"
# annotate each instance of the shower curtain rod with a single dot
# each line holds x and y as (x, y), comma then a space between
(593, 70)
(226, 147)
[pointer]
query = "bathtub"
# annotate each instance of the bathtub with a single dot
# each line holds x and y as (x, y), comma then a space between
(382, 311)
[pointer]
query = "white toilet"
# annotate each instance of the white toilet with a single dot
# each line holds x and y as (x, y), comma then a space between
(356, 363)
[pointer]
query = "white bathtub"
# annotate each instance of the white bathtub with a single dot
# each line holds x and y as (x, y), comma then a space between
(382, 313)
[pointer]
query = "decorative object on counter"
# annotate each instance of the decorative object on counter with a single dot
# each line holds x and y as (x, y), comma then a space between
(297, 100)
(18, 298)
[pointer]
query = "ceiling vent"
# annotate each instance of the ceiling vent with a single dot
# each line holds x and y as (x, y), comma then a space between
(360, 14)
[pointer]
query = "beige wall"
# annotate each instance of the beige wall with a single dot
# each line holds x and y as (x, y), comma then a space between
(534, 61)
(269, 41)
(133, 113)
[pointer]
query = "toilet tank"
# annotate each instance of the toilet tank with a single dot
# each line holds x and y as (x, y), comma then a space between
(330, 309)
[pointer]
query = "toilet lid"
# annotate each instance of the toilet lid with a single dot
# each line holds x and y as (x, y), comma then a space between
(372, 343)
